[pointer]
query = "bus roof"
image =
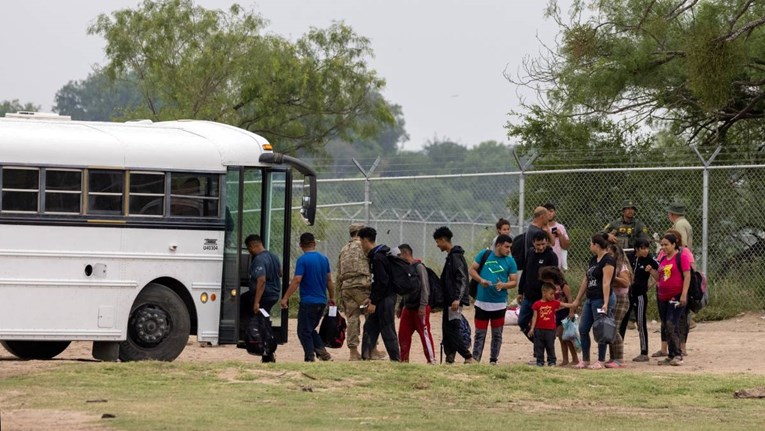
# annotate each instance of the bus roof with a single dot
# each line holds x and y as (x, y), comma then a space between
(169, 145)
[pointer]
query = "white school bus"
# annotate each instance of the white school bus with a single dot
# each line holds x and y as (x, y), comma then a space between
(131, 234)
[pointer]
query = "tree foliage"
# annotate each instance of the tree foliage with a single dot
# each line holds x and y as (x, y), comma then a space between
(694, 67)
(191, 62)
(98, 98)
(11, 106)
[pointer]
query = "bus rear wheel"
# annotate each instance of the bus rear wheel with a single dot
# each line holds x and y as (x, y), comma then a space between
(35, 349)
(158, 326)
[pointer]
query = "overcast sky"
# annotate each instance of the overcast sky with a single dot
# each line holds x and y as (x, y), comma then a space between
(442, 59)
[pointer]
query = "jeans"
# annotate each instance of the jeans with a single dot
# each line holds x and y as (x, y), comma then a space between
(309, 316)
(544, 340)
(670, 320)
(381, 323)
(525, 315)
(589, 312)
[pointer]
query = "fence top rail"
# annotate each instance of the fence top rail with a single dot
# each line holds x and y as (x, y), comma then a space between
(540, 172)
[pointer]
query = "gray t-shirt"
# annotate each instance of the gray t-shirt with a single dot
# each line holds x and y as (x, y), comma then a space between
(266, 263)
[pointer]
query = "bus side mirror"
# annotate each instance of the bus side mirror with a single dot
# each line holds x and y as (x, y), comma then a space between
(308, 201)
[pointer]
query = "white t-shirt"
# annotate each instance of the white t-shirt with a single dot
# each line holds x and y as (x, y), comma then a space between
(562, 233)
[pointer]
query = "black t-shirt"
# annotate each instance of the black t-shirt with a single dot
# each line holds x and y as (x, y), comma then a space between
(595, 276)
(530, 285)
(639, 265)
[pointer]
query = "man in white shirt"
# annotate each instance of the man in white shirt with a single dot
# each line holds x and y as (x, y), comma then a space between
(560, 239)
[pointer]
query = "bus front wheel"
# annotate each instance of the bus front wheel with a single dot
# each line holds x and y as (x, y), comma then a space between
(35, 349)
(158, 327)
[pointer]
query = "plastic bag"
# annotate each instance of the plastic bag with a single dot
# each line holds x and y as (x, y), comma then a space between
(511, 316)
(604, 330)
(571, 332)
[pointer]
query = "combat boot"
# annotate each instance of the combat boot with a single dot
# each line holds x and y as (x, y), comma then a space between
(323, 355)
(377, 355)
(355, 355)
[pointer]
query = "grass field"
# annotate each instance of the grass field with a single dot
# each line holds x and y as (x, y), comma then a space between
(244, 395)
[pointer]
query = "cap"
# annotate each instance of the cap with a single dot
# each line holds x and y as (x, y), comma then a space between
(395, 251)
(676, 208)
(355, 227)
(629, 204)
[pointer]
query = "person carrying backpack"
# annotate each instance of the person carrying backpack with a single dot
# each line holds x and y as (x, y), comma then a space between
(414, 312)
(497, 275)
(454, 279)
(380, 305)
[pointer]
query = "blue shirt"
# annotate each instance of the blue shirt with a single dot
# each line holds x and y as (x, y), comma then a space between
(266, 263)
(496, 270)
(313, 267)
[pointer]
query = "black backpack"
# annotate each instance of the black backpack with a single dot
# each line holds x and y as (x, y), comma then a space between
(332, 330)
(404, 277)
(518, 250)
(698, 297)
(259, 336)
(436, 297)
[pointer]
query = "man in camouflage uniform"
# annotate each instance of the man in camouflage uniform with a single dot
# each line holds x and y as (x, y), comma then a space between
(354, 285)
(626, 230)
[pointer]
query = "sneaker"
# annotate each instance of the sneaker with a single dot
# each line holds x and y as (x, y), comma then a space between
(532, 362)
(324, 355)
(664, 361)
(614, 364)
(450, 358)
(658, 354)
(676, 361)
(551, 364)
(640, 358)
(470, 360)
(492, 362)
(597, 365)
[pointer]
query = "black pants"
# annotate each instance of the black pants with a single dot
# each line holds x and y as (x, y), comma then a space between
(452, 336)
(544, 339)
(639, 304)
(381, 323)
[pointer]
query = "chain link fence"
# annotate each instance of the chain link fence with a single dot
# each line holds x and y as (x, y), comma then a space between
(722, 204)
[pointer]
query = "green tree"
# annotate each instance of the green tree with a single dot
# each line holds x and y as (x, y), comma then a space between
(695, 68)
(98, 98)
(11, 106)
(191, 62)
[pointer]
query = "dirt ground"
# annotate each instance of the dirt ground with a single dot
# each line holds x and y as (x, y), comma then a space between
(729, 346)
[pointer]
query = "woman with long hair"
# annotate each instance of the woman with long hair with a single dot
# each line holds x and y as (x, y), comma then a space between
(596, 285)
(673, 281)
(621, 288)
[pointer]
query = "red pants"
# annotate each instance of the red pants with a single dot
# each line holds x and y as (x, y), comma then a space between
(411, 322)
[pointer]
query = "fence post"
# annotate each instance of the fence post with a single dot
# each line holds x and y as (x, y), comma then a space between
(705, 205)
(367, 185)
(522, 185)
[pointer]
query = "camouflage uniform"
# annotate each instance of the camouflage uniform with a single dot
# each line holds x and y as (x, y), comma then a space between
(354, 286)
(626, 232)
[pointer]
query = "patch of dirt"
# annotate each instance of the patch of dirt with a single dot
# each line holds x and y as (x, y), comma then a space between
(722, 347)
(45, 420)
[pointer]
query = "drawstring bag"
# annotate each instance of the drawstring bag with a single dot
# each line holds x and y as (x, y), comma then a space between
(332, 329)
(604, 329)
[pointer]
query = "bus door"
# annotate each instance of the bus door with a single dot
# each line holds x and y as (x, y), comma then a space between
(258, 201)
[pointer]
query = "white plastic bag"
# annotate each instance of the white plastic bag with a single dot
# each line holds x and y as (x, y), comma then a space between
(571, 331)
(511, 316)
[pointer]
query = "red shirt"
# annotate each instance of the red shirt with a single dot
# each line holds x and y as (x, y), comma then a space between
(545, 313)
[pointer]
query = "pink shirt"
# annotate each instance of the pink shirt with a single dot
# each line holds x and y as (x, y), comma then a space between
(621, 291)
(670, 277)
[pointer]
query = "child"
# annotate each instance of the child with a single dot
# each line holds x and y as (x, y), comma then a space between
(543, 325)
(554, 276)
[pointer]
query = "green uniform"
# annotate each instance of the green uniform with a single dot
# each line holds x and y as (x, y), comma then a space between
(627, 232)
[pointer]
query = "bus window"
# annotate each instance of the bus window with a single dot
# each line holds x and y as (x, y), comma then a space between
(194, 195)
(63, 191)
(21, 188)
(147, 194)
(105, 192)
